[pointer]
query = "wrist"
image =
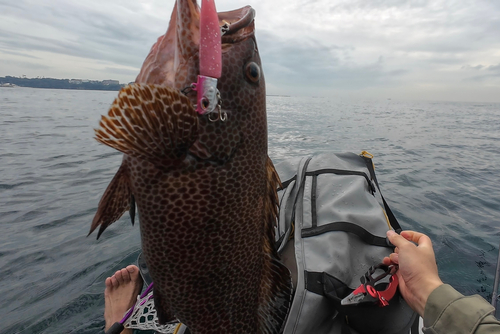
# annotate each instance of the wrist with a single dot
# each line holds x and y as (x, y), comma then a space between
(425, 291)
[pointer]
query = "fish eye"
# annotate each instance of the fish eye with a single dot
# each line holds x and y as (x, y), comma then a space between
(252, 71)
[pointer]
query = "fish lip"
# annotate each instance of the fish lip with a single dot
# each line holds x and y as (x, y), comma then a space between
(240, 24)
(165, 58)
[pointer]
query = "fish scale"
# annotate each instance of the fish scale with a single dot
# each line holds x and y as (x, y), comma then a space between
(205, 191)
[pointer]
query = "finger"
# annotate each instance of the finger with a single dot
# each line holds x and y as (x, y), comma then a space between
(394, 258)
(396, 239)
(419, 238)
(401, 283)
(387, 261)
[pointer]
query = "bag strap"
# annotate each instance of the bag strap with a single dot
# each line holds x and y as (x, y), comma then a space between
(392, 219)
(289, 208)
(363, 234)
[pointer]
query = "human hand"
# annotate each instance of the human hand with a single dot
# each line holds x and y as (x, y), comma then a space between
(418, 273)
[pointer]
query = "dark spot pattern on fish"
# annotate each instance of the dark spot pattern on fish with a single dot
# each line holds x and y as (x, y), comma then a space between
(205, 191)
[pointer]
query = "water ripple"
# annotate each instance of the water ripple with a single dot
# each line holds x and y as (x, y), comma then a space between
(437, 164)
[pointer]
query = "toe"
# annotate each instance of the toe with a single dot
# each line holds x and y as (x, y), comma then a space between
(125, 275)
(132, 269)
(108, 283)
(133, 272)
(119, 277)
(114, 282)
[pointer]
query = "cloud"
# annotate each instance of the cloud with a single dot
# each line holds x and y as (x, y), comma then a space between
(126, 71)
(70, 29)
(491, 68)
(474, 68)
(24, 64)
(494, 68)
(306, 45)
(309, 65)
(485, 74)
(15, 53)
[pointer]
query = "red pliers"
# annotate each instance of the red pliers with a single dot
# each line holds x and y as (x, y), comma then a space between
(367, 292)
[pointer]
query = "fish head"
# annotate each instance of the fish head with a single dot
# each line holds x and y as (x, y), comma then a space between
(174, 61)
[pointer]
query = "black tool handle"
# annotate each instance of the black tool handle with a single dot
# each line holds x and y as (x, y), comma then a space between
(117, 328)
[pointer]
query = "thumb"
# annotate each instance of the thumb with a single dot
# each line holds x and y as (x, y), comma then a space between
(418, 238)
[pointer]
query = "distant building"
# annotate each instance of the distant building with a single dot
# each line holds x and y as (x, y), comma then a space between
(75, 81)
(110, 82)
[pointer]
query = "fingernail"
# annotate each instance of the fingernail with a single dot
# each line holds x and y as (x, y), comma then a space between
(390, 233)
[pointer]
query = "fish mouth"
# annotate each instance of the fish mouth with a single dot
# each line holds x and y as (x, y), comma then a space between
(239, 24)
(175, 54)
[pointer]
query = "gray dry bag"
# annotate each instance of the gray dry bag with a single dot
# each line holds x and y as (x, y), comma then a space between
(332, 227)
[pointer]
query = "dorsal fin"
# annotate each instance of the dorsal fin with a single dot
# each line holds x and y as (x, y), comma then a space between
(150, 122)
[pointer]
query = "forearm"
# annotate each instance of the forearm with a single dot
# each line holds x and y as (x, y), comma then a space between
(448, 311)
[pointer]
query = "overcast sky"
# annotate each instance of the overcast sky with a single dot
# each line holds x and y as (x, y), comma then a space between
(418, 50)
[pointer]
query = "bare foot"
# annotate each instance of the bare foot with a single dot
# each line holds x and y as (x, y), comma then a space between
(120, 294)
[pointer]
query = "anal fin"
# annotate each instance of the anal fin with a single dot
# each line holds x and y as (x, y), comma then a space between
(115, 201)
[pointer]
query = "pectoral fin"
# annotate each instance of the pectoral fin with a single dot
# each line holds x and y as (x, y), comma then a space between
(150, 122)
(115, 201)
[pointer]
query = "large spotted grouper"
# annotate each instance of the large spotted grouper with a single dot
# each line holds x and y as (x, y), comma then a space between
(196, 167)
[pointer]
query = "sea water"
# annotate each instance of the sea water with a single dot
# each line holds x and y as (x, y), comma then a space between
(437, 164)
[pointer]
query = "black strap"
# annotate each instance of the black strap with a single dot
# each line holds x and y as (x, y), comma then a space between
(314, 188)
(392, 219)
(286, 183)
(342, 172)
(366, 236)
(314, 282)
(414, 327)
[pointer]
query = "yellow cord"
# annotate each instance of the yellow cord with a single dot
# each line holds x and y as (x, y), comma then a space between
(176, 330)
(366, 154)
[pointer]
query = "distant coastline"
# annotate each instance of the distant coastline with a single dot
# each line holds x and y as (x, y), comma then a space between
(51, 83)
